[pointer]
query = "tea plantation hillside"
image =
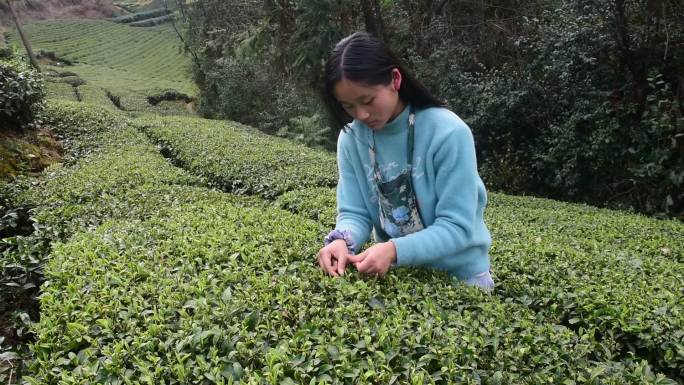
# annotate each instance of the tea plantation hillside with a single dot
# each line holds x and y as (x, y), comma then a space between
(170, 249)
(183, 251)
(111, 64)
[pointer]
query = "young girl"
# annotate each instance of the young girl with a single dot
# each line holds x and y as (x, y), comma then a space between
(407, 169)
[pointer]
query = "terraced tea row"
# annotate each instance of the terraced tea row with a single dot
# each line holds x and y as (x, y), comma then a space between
(240, 159)
(111, 45)
(129, 63)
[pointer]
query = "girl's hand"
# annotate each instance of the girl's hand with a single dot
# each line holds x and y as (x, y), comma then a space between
(376, 260)
(333, 258)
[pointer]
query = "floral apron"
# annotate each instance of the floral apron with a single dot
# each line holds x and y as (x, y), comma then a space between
(397, 203)
(398, 206)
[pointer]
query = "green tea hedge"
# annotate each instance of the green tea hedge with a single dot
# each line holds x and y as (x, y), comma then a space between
(615, 275)
(214, 293)
(612, 276)
(238, 158)
(317, 203)
(604, 274)
(151, 22)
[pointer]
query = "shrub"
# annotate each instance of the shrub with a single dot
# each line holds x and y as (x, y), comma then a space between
(236, 90)
(308, 130)
(52, 57)
(318, 203)
(158, 279)
(169, 95)
(244, 89)
(138, 16)
(152, 22)
(21, 93)
(73, 81)
(67, 74)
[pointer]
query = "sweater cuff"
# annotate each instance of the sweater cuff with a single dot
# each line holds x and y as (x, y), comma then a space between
(405, 251)
(357, 234)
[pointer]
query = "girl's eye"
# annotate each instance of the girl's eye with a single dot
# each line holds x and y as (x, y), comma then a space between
(369, 101)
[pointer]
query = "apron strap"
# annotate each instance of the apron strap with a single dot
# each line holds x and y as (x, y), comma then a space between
(409, 146)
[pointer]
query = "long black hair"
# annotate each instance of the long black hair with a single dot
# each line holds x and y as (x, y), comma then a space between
(363, 58)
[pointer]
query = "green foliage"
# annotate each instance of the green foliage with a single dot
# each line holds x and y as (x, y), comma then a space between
(277, 97)
(662, 127)
(53, 59)
(239, 159)
(187, 294)
(80, 126)
(152, 21)
(603, 273)
(139, 16)
(234, 314)
(21, 93)
(266, 101)
(608, 276)
(155, 278)
(138, 6)
(310, 131)
(316, 203)
(193, 298)
(168, 95)
(73, 81)
(577, 101)
(314, 35)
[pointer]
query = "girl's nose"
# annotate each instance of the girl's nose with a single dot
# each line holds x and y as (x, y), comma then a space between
(362, 114)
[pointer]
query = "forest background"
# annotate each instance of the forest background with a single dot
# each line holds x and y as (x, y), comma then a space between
(571, 100)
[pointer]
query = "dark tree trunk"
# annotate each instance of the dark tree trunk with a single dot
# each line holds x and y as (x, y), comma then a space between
(628, 59)
(372, 17)
(24, 40)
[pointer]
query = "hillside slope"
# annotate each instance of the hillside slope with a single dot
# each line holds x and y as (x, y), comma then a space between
(58, 9)
(116, 65)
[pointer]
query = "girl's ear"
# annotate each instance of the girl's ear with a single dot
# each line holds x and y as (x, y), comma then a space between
(396, 79)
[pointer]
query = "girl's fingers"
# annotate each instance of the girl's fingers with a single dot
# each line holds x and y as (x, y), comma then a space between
(325, 261)
(341, 264)
(365, 266)
(357, 258)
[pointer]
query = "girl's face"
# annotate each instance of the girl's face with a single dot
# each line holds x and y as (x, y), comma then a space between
(373, 105)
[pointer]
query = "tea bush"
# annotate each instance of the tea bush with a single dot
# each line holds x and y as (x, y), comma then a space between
(210, 291)
(625, 265)
(21, 93)
(572, 100)
(317, 203)
(238, 158)
(616, 275)
(151, 22)
(607, 275)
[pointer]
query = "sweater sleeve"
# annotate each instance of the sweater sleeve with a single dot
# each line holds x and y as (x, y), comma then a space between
(456, 187)
(352, 213)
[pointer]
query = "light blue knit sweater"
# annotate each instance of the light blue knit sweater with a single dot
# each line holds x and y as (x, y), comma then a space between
(450, 193)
